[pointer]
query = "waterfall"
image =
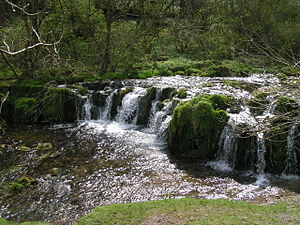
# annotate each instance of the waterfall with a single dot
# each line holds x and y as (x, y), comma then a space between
(86, 108)
(154, 112)
(261, 150)
(159, 122)
(261, 147)
(128, 113)
(105, 112)
(227, 147)
(291, 156)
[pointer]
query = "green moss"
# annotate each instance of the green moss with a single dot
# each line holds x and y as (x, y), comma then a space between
(28, 88)
(277, 146)
(179, 72)
(21, 184)
(23, 148)
(192, 72)
(286, 105)
(82, 90)
(165, 73)
(25, 109)
(58, 105)
(125, 92)
(241, 85)
(44, 146)
(259, 102)
(217, 71)
(196, 126)
(182, 93)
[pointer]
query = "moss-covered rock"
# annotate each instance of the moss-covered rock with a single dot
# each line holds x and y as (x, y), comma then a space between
(44, 146)
(23, 148)
(59, 105)
(196, 127)
(25, 109)
(181, 93)
(82, 90)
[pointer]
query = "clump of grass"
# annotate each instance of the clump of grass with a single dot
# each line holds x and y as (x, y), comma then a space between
(192, 211)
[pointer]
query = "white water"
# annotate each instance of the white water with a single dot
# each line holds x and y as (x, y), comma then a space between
(227, 150)
(291, 158)
(128, 113)
(105, 112)
(87, 107)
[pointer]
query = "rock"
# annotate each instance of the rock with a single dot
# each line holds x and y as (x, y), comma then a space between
(55, 171)
(97, 85)
(196, 126)
(44, 146)
(23, 148)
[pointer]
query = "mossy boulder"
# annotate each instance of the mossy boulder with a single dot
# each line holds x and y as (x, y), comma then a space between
(25, 109)
(59, 105)
(196, 127)
(277, 149)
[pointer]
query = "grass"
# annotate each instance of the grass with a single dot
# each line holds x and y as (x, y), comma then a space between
(192, 211)
(188, 211)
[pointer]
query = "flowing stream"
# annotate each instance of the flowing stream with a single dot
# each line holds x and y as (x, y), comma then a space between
(105, 159)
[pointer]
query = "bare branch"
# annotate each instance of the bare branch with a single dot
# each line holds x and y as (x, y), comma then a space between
(23, 9)
(3, 100)
(9, 52)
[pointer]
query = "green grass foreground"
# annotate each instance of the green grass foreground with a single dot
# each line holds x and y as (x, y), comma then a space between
(190, 211)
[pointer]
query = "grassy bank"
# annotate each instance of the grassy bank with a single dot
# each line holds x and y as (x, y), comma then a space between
(189, 211)
(193, 211)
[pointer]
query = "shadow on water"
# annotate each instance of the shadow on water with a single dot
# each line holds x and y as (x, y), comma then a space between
(83, 165)
(202, 169)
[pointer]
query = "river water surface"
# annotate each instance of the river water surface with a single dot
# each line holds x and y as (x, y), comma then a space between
(99, 163)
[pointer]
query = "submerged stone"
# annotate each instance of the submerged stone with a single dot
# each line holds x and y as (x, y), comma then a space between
(44, 146)
(23, 148)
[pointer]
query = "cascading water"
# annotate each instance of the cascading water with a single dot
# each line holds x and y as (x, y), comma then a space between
(261, 146)
(86, 108)
(128, 113)
(105, 112)
(291, 157)
(227, 147)
(154, 112)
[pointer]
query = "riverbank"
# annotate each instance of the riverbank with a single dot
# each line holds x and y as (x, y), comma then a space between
(190, 211)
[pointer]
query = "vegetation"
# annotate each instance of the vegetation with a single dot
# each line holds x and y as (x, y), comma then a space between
(188, 211)
(138, 39)
(196, 127)
(192, 211)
